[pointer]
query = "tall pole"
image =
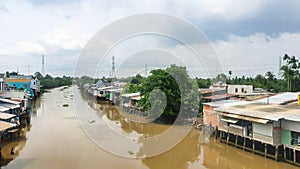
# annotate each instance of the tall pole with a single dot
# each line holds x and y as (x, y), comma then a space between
(43, 65)
(113, 67)
(146, 70)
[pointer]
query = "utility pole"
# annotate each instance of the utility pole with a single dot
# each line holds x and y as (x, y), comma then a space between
(146, 70)
(43, 65)
(113, 68)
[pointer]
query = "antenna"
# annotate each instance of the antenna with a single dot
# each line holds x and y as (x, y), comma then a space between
(113, 67)
(43, 65)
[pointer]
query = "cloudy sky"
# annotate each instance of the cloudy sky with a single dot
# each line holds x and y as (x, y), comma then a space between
(249, 37)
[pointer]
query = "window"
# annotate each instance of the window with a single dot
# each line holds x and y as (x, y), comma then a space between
(236, 90)
(295, 138)
(243, 90)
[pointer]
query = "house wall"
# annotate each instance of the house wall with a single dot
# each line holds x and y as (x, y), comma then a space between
(286, 137)
(263, 129)
(240, 89)
(277, 132)
(18, 83)
(35, 84)
(290, 125)
(263, 132)
(209, 116)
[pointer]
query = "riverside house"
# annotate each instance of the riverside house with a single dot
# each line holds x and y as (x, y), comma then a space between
(269, 126)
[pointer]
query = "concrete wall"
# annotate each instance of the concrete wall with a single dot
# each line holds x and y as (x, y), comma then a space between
(290, 125)
(209, 117)
(240, 89)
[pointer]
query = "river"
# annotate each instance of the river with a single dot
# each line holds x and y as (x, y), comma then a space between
(55, 140)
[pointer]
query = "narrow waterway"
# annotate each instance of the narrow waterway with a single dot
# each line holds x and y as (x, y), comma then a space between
(56, 140)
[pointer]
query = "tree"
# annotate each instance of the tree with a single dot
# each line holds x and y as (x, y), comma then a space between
(38, 75)
(177, 87)
(220, 78)
(230, 73)
(290, 70)
(270, 76)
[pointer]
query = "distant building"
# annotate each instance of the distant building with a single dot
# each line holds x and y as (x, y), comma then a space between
(26, 83)
(18, 83)
(239, 89)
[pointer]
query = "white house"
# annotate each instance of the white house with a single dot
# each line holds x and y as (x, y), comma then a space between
(239, 89)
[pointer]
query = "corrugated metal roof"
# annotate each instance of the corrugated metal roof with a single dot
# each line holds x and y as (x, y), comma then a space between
(17, 80)
(131, 94)
(105, 88)
(3, 109)
(281, 98)
(264, 121)
(6, 125)
(224, 103)
(219, 96)
(230, 120)
(119, 90)
(5, 116)
(136, 97)
(251, 113)
(9, 101)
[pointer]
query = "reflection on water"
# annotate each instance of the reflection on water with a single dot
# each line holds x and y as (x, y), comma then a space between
(189, 153)
(56, 140)
(12, 149)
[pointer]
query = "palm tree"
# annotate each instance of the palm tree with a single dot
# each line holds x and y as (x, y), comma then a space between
(290, 70)
(230, 73)
(270, 75)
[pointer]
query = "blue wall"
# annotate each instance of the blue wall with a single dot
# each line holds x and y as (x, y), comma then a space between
(19, 85)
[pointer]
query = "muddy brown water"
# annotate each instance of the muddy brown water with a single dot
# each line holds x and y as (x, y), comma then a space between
(55, 140)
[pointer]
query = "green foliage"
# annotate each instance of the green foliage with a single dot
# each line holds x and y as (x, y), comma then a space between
(49, 82)
(84, 80)
(177, 87)
(8, 74)
(131, 88)
(291, 72)
(203, 83)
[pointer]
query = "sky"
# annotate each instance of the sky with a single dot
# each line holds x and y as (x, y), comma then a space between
(248, 38)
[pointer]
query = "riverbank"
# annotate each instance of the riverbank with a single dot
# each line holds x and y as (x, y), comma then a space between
(56, 140)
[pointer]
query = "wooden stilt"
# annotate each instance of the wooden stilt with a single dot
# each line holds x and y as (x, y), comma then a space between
(276, 153)
(253, 146)
(294, 151)
(244, 143)
(265, 150)
(284, 152)
(228, 137)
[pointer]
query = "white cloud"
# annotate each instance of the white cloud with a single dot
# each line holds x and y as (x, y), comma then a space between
(257, 53)
(30, 47)
(60, 31)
